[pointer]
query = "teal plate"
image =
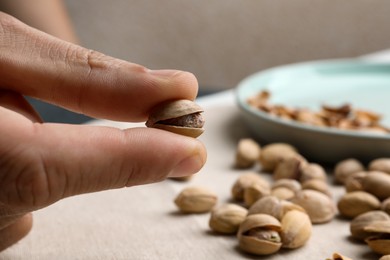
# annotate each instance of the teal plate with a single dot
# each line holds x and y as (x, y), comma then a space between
(364, 85)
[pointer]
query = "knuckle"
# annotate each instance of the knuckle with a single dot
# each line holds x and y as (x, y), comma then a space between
(98, 61)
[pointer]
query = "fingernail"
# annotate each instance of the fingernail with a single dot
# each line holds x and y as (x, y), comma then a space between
(163, 72)
(188, 166)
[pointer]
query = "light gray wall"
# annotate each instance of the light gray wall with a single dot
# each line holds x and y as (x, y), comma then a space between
(222, 41)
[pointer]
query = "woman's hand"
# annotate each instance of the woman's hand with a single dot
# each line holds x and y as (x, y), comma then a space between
(41, 163)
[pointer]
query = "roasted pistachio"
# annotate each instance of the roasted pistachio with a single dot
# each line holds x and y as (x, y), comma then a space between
(227, 218)
(282, 193)
(254, 192)
(378, 184)
(318, 206)
(247, 154)
(312, 171)
(291, 184)
(196, 200)
(380, 164)
(318, 185)
(355, 203)
(379, 242)
(289, 167)
(386, 206)
(246, 180)
(358, 224)
(260, 234)
(272, 154)
(345, 168)
(296, 229)
(273, 206)
(180, 116)
(355, 181)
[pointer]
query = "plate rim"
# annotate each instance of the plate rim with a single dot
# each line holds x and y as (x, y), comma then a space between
(244, 106)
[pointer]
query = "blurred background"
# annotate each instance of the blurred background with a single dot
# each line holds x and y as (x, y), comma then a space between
(223, 41)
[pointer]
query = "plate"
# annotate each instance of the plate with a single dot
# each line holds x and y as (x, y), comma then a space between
(364, 85)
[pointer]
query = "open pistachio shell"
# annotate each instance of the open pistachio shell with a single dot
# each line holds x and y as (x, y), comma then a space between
(360, 222)
(259, 234)
(174, 110)
(379, 242)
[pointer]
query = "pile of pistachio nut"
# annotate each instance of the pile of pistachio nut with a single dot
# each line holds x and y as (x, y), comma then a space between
(343, 117)
(267, 216)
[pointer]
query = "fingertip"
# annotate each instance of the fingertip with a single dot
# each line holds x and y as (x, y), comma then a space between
(185, 83)
(191, 164)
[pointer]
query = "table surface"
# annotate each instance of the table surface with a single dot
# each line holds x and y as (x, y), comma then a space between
(143, 223)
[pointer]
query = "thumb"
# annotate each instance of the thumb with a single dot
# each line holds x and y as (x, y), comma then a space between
(48, 162)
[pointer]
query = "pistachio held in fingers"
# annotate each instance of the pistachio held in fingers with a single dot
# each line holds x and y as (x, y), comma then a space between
(180, 116)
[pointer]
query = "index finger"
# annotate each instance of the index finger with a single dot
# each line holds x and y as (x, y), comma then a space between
(39, 65)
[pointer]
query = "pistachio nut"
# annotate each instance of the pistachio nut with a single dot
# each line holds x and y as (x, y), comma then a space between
(355, 181)
(254, 192)
(358, 224)
(244, 181)
(296, 229)
(380, 164)
(289, 167)
(318, 185)
(312, 171)
(272, 154)
(285, 189)
(180, 116)
(291, 184)
(247, 154)
(355, 203)
(260, 234)
(273, 206)
(379, 242)
(345, 168)
(282, 193)
(318, 206)
(386, 206)
(227, 218)
(378, 184)
(196, 200)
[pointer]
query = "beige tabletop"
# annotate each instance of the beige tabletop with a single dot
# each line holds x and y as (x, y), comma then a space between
(143, 222)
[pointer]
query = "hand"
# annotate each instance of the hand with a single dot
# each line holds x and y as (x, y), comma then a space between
(41, 163)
